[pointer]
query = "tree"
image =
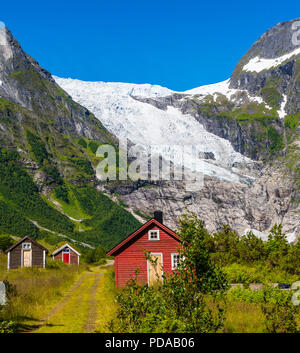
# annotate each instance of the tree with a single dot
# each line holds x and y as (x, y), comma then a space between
(6, 242)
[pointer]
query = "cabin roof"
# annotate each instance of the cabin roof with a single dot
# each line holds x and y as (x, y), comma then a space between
(22, 240)
(138, 231)
(62, 247)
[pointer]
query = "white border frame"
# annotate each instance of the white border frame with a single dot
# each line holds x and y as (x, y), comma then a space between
(153, 230)
(162, 265)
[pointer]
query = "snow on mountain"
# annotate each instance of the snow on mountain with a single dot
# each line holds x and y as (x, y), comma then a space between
(145, 125)
(222, 88)
(259, 64)
(281, 112)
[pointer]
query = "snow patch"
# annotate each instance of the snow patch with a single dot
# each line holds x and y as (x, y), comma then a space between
(223, 88)
(281, 112)
(258, 64)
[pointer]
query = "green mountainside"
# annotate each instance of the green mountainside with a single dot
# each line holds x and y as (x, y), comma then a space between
(47, 159)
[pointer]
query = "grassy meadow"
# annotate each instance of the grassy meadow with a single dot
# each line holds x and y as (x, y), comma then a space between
(36, 291)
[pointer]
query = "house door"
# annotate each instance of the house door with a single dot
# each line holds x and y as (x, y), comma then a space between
(155, 269)
(66, 257)
(26, 258)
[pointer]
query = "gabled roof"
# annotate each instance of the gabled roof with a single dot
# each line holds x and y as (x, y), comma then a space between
(62, 247)
(22, 240)
(138, 231)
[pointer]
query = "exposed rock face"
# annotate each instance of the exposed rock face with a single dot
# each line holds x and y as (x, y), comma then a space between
(259, 206)
(36, 98)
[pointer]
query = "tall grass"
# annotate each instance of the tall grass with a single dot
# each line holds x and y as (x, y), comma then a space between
(37, 291)
(106, 303)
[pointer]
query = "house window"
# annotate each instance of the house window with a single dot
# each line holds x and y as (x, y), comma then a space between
(26, 246)
(175, 258)
(66, 250)
(153, 235)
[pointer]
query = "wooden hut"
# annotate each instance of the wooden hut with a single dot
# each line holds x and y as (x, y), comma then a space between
(153, 236)
(66, 254)
(26, 253)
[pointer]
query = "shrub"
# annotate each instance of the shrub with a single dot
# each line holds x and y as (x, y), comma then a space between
(82, 143)
(54, 264)
(37, 147)
(280, 313)
(93, 146)
(95, 255)
(7, 326)
(61, 192)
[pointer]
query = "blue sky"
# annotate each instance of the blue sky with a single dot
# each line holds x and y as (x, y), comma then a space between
(177, 44)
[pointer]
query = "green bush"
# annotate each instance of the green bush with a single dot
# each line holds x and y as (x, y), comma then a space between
(257, 296)
(53, 172)
(82, 143)
(279, 311)
(61, 192)
(84, 165)
(7, 326)
(95, 255)
(54, 264)
(93, 146)
(38, 147)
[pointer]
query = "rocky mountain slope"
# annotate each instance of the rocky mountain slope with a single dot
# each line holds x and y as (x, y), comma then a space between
(247, 128)
(256, 111)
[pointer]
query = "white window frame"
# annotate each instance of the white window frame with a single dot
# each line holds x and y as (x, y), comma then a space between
(28, 247)
(149, 234)
(172, 260)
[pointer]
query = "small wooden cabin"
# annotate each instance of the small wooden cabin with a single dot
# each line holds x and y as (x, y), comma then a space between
(26, 253)
(153, 236)
(66, 254)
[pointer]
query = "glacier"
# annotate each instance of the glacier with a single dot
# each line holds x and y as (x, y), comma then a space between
(145, 125)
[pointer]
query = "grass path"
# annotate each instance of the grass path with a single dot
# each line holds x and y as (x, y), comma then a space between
(81, 308)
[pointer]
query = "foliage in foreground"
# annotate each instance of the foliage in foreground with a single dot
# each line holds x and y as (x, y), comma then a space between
(280, 313)
(178, 304)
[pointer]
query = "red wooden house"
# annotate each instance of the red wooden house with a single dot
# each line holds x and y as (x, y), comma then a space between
(66, 254)
(153, 236)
